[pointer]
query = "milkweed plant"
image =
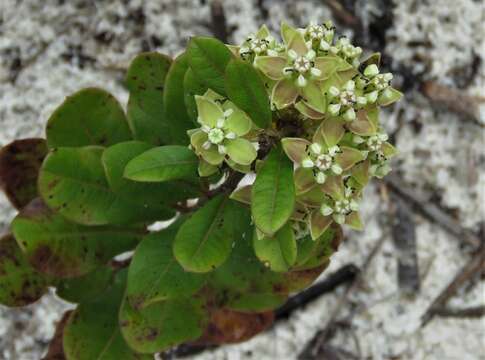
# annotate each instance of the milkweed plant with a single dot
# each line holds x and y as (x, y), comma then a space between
(256, 155)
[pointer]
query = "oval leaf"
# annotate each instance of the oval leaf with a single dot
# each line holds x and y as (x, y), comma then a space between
(278, 252)
(57, 247)
(208, 58)
(163, 163)
(273, 193)
(155, 198)
(87, 287)
(20, 283)
(145, 80)
(162, 275)
(192, 87)
(92, 331)
(89, 117)
(20, 162)
(163, 324)
(246, 89)
(178, 119)
(72, 182)
(204, 241)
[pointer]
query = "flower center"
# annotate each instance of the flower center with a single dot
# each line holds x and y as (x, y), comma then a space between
(258, 45)
(302, 64)
(324, 162)
(216, 136)
(316, 32)
(374, 143)
(347, 97)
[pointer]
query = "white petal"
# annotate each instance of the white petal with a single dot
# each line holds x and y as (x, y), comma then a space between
(337, 170)
(334, 150)
(349, 115)
(354, 205)
(255, 145)
(324, 45)
(301, 81)
(307, 163)
(321, 177)
(371, 70)
(339, 218)
(244, 50)
(350, 85)
(231, 135)
(220, 123)
(358, 139)
(310, 55)
(316, 148)
(333, 91)
(221, 149)
(334, 109)
(326, 210)
(316, 72)
(292, 54)
(205, 128)
(228, 112)
(361, 100)
(207, 145)
(372, 96)
(272, 53)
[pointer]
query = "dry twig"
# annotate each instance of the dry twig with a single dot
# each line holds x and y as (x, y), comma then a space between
(474, 267)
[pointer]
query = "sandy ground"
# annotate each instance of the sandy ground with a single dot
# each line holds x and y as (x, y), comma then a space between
(52, 48)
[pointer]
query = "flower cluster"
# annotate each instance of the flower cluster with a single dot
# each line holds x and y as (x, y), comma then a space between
(318, 81)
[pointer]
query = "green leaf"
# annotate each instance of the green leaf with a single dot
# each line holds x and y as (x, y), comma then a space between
(208, 58)
(89, 117)
(19, 167)
(204, 241)
(60, 248)
(93, 332)
(246, 89)
(178, 119)
(162, 325)
(155, 198)
(192, 87)
(20, 283)
(273, 193)
(85, 288)
(170, 162)
(155, 275)
(146, 80)
(72, 182)
(278, 252)
(243, 282)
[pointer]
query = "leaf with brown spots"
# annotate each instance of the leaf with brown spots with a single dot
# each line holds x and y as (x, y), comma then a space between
(227, 326)
(146, 81)
(20, 283)
(20, 162)
(93, 332)
(91, 116)
(164, 324)
(58, 247)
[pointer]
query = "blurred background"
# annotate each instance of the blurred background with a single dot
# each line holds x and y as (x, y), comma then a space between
(416, 288)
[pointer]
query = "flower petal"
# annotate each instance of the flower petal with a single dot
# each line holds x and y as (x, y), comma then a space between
(360, 173)
(298, 44)
(238, 122)
(312, 198)
(329, 65)
(245, 169)
(389, 96)
(362, 126)
(234, 49)
(334, 187)
(206, 169)
(388, 150)
(318, 224)
(348, 157)
(263, 32)
(271, 66)
(308, 112)
(209, 112)
(295, 148)
(243, 194)
(241, 151)
(284, 93)
(353, 220)
(314, 97)
(287, 32)
(332, 130)
(304, 180)
(210, 155)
